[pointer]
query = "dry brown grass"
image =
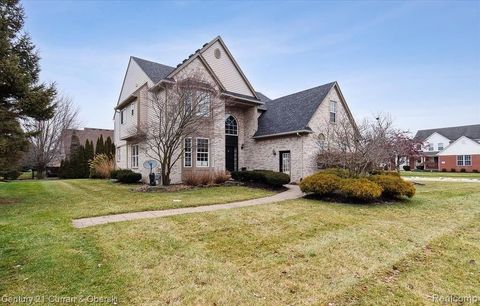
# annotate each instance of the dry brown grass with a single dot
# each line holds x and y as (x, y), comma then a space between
(101, 166)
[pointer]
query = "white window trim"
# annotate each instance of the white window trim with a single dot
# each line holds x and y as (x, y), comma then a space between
(118, 153)
(132, 157)
(236, 121)
(122, 117)
(463, 160)
(330, 112)
(191, 152)
(196, 152)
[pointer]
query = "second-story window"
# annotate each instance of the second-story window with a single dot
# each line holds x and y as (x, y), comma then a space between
(122, 118)
(440, 146)
(333, 111)
(430, 147)
(204, 106)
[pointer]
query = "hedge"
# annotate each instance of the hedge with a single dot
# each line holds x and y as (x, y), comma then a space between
(361, 189)
(9, 175)
(320, 183)
(268, 177)
(128, 176)
(393, 186)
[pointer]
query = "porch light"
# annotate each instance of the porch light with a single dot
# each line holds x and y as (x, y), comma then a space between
(241, 147)
(274, 152)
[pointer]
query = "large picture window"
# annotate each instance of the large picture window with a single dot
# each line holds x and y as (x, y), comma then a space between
(204, 105)
(333, 111)
(135, 156)
(202, 152)
(464, 160)
(187, 152)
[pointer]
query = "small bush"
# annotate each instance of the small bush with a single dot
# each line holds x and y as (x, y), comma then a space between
(463, 170)
(420, 167)
(444, 170)
(406, 168)
(268, 177)
(320, 183)
(475, 171)
(128, 176)
(361, 189)
(205, 178)
(9, 175)
(453, 170)
(393, 186)
(220, 177)
(114, 174)
(101, 166)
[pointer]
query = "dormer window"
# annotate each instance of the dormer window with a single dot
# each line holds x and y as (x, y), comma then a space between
(333, 111)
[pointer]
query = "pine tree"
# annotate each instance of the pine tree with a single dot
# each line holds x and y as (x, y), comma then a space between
(21, 95)
(89, 152)
(108, 147)
(100, 147)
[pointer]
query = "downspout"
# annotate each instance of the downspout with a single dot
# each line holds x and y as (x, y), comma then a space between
(301, 171)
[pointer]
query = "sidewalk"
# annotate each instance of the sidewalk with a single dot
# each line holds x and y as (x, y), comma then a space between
(293, 192)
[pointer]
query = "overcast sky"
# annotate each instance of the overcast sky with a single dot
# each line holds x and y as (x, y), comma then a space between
(418, 61)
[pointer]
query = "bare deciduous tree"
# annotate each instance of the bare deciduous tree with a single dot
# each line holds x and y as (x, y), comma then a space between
(46, 140)
(374, 144)
(176, 111)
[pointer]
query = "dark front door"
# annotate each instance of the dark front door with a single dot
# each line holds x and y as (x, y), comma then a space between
(231, 153)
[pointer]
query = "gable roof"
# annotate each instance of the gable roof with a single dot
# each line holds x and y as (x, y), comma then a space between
(292, 113)
(153, 70)
(262, 97)
(452, 133)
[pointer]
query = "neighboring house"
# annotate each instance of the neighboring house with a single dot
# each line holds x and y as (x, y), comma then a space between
(449, 148)
(254, 131)
(90, 134)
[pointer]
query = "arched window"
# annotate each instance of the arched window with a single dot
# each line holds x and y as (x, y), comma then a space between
(231, 127)
(321, 142)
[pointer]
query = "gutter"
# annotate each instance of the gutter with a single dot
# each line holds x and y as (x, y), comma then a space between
(241, 98)
(283, 134)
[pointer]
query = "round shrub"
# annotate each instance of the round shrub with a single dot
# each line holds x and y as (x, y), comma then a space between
(320, 183)
(129, 177)
(361, 189)
(342, 173)
(10, 175)
(393, 186)
(268, 177)
(114, 174)
(384, 172)
(406, 168)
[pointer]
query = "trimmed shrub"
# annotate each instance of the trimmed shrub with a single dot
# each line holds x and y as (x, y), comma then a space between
(201, 178)
(268, 177)
(463, 170)
(453, 170)
(128, 176)
(320, 183)
(444, 170)
(420, 167)
(406, 168)
(475, 171)
(9, 175)
(220, 177)
(393, 186)
(114, 174)
(101, 166)
(361, 189)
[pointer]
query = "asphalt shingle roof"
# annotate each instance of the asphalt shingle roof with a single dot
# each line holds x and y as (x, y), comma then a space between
(154, 71)
(291, 113)
(452, 133)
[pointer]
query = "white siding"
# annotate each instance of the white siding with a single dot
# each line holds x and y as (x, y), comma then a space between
(436, 139)
(134, 78)
(462, 146)
(225, 70)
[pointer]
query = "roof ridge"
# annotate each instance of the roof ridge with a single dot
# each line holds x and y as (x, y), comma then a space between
(450, 127)
(315, 87)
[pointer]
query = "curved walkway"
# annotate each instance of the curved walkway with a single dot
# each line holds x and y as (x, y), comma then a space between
(293, 192)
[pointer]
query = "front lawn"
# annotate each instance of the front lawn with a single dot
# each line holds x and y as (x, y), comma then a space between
(296, 252)
(440, 174)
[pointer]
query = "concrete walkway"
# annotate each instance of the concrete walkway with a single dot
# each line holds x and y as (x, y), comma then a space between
(441, 179)
(293, 192)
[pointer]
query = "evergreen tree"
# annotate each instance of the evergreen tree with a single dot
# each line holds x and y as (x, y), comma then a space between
(108, 147)
(89, 152)
(100, 147)
(22, 97)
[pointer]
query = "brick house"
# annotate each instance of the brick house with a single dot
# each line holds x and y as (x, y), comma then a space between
(449, 148)
(252, 131)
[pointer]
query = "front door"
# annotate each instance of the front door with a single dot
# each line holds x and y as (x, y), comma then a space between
(231, 153)
(231, 158)
(285, 162)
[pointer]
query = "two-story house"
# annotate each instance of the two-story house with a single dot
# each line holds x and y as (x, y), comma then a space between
(449, 148)
(253, 131)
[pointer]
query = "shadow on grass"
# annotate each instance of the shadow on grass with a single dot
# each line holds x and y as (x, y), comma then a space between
(338, 198)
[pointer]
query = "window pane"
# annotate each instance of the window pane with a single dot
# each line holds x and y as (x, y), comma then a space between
(231, 127)
(468, 160)
(333, 117)
(202, 152)
(460, 160)
(188, 152)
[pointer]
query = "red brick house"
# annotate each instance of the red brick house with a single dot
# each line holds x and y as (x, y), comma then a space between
(448, 149)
